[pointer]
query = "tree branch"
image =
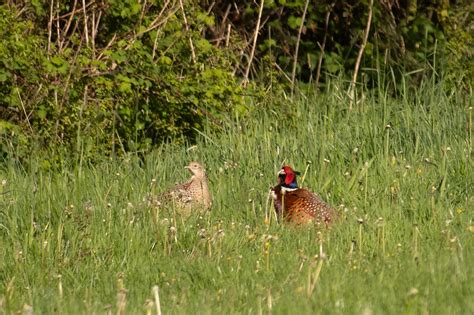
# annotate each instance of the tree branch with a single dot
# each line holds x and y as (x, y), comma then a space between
(351, 91)
(255, 36)
(295, 59)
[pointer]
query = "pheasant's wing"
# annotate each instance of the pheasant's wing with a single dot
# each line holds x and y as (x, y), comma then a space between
(323, 212)
(179, 193)
(304, 203)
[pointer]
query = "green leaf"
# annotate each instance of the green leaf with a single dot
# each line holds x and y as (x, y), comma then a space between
(294, 22)
(125, 87)
(42, 112)
(165, 60)
(4, 76)
(204, 45)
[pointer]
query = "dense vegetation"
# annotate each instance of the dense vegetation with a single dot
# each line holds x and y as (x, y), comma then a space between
(118, 76)
(103, 102)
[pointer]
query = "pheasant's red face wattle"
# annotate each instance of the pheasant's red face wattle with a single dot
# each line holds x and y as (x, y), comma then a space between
(289, 178)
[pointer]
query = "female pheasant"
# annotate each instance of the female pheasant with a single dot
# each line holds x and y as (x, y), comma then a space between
(194, 194)
(299, 205)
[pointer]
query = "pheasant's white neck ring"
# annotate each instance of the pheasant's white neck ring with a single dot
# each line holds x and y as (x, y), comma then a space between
(287, 189)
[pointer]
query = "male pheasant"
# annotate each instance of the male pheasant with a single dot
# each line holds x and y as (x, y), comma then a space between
(299, 205)
(194, 194)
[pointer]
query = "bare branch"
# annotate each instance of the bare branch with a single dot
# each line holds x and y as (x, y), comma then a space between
(295, 59)
(351, 91)
(74, 11)
(223, 28)
(323, 46)
(186, 25)
(68, 25)
(255, 36)
(86, 31)
(24, 110)
(107, 46)
(58, 28)
(227, 38)
(50, 26)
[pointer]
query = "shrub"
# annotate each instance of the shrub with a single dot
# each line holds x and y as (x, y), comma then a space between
(110, 78)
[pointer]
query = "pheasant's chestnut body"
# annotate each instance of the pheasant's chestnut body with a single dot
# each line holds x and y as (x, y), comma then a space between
(299, 205)
(194, 194)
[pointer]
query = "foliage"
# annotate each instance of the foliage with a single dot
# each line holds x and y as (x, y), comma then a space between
(113, 77)
(460, 43)
(404, 35)
(83, 239)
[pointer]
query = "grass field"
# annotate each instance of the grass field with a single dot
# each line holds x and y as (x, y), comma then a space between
(82, 239)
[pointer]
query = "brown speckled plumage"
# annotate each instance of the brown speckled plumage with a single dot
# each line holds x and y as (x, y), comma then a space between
(194, 194)
(299, 205)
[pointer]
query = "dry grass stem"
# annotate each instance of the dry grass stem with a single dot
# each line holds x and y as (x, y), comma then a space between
(156, 294)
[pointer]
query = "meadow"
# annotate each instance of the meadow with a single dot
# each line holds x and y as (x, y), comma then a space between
(83, 238)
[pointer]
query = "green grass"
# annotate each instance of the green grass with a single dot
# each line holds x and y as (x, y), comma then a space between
(87, 229)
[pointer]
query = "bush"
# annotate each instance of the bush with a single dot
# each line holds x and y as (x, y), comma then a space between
(112, 79)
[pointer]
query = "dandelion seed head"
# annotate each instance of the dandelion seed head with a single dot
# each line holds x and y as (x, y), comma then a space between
(413, 292)
(202, 233)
